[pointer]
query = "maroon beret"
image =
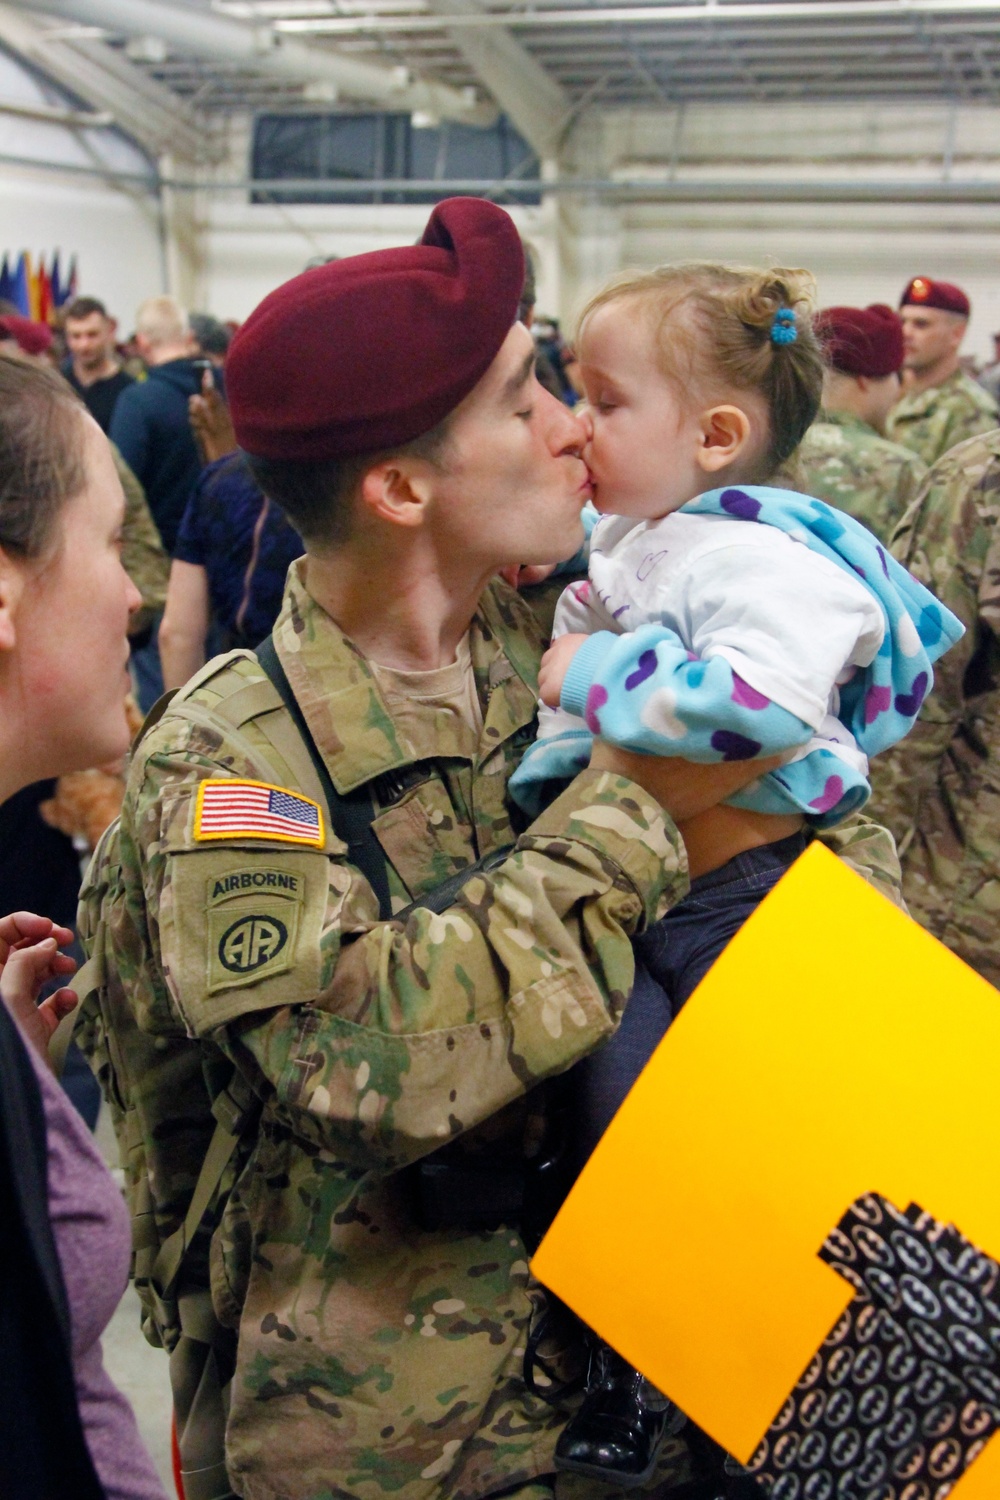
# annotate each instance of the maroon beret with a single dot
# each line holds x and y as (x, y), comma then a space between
(923, 292)
(30, 337)
(371, 351)
(861, 340)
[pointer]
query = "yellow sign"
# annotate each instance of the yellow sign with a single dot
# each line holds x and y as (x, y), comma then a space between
(834, 1049)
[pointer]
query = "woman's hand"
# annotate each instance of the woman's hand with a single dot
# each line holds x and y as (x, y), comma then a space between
(29, 959)
(683, 788)
(555, 665)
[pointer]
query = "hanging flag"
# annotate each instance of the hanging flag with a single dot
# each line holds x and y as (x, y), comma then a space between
(33, 292)
(45, 304)
(70, 292)
(6, 281)
(58, 296)
(20, 293)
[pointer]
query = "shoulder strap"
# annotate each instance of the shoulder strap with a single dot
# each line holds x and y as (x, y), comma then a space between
(351, 813)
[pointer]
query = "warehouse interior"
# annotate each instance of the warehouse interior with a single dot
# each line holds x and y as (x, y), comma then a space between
(859, 139)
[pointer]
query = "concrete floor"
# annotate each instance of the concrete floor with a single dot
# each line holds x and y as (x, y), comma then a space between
(138, 1370)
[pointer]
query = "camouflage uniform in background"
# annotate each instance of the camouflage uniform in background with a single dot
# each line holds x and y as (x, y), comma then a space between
(932, 421)
(143, 556)
(843, 460)
(939, 790)
(376, 1358)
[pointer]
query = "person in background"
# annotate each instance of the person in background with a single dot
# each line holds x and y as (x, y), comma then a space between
(64, 1257)
(939, 791)
(211, 337)
(93, 368)
(989, 378)
(232, 553)
(150, 421)
(941, 405)
(845, 457)
(30, 337)
(151, 430)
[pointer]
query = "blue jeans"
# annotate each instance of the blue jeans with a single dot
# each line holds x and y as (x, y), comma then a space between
(672, 958)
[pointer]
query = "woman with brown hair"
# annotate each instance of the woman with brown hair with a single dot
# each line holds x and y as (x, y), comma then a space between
(64, 1243)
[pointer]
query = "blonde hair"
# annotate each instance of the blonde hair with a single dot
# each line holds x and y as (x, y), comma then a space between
(713, 325)
(162, 320)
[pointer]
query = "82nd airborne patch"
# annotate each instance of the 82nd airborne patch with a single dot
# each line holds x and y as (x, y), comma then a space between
(253, 916)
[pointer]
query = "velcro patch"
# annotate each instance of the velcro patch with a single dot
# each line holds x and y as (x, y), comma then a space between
(253, 923)
(230, 809)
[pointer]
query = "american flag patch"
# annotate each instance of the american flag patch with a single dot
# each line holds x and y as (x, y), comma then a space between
(255, 810)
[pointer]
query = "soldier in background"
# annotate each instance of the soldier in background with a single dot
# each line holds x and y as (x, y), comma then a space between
(845, 457)
(941, 405)
(939, 791)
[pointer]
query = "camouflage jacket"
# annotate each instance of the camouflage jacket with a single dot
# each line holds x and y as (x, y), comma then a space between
(375, 1357)
(844, 461)
(143, 556)
(932, 421)
(939, 790)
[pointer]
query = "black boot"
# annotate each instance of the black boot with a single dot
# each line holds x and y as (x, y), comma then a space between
(617, 1432)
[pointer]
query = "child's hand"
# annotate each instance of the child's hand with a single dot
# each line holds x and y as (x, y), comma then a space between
(555, 665)
(26, 966)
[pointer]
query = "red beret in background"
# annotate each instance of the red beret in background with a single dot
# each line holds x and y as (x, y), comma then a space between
(923, 292)
(861, 340)
(371, 351)
(30, 337)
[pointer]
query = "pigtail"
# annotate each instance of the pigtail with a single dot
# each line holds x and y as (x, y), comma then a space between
(775, 308)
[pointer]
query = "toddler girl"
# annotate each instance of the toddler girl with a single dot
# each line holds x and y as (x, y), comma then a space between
(722, 620)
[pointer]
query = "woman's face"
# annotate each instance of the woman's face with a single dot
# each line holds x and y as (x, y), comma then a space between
(68, 672)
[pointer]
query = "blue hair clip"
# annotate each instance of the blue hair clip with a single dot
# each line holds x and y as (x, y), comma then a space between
(783, 329)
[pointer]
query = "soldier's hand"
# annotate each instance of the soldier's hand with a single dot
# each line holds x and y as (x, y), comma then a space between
(683, 788)
(523, 575)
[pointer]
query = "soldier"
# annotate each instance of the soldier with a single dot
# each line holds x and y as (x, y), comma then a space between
(940, 790)
(845, 457)
(388, 403)
(942, 405)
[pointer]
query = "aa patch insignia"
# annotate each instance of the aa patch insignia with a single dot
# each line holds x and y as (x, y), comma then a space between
(255, 810)
(253, 922)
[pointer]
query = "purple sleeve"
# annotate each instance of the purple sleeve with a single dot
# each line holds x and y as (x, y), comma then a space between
(91, 1230)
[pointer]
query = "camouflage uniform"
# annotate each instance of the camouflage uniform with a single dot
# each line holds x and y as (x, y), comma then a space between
(844, 461)
(939, 790)
(932, 421)
(376, 1358)
(143, 555)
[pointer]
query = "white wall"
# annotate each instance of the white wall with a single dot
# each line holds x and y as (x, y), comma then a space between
(114, 233)
(859, 253)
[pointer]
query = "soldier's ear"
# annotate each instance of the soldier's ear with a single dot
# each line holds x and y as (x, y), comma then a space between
(397, 491)
(11, 589)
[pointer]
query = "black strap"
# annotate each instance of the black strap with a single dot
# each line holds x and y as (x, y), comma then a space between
(351, 813)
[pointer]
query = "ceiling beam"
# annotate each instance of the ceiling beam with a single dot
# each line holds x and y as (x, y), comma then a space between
(641, 15)
(528, 95)
(154, 118)
(202, 33)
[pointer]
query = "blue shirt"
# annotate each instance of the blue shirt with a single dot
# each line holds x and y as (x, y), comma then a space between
(245, 545)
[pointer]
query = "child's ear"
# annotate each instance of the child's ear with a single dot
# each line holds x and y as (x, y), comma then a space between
(725, 433)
